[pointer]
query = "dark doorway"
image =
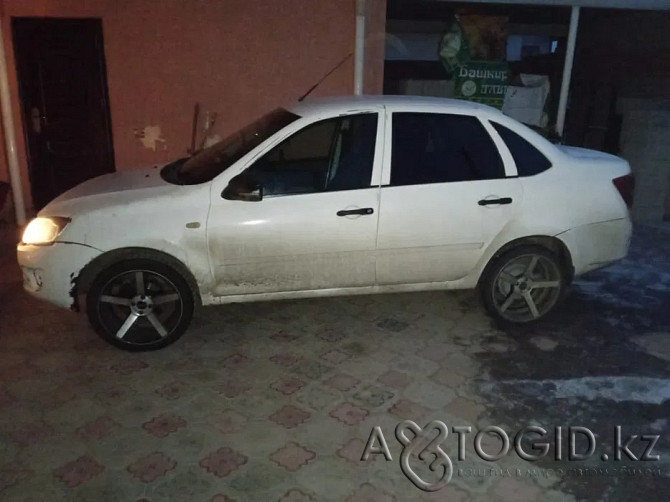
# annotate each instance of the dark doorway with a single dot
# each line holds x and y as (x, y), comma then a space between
(63, 90)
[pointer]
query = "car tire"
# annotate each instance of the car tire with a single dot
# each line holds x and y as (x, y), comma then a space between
(523, 285)
(140, 304)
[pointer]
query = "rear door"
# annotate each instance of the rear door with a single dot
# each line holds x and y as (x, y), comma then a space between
(449, 187)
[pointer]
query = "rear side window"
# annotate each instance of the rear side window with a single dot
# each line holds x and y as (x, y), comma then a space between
(528, 159)
(442, 148)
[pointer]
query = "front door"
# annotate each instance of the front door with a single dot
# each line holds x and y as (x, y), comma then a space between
(62, 83)
(446, 195)
(316, 225)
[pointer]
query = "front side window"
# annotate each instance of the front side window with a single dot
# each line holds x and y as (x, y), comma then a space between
(442, 148)
(329, 155)
(528, 159)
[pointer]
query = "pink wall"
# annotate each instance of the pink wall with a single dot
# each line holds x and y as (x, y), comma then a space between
(237, 59)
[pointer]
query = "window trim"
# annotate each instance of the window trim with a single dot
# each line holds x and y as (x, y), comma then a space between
(511, 170)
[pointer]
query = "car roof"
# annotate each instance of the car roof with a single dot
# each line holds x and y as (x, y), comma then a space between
(338, 104)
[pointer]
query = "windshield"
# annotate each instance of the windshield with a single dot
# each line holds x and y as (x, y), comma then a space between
(209, 163)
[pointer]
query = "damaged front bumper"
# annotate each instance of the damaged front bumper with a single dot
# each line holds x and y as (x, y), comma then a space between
(50, 272)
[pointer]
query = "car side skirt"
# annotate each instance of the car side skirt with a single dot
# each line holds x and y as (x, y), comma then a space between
(469, 282)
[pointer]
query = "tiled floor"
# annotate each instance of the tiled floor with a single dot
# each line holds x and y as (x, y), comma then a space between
(257, 402)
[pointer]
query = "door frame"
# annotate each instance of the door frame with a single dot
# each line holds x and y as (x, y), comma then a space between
(19, 66)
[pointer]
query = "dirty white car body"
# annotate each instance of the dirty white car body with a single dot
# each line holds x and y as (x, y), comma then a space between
(397, 236)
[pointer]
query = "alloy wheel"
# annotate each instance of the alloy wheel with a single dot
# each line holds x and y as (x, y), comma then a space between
(140, 307)
(526, 287)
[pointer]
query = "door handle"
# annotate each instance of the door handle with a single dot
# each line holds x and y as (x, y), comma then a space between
(490, 202)
(36, 119)
(363, 211)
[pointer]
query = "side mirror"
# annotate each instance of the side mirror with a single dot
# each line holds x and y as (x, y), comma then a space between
(243, 187)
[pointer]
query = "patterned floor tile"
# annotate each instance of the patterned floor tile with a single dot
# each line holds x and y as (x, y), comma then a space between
(97, 429)
(335, 356)
(289, 416)
(288, 385)
(79, 471)
(331, 335)
(392, 325)
(511, 489)
(233, 387)
(349, 414)
(284, 336)
(430, 394)
(32, 433)
(292, 456)
(448, 378)
(163, 425)
(395, 379)
(325, 478)
(405, 409)
(285, 359)
(13, 474)
(465, 409)
(343, 382)
(370, 493)
(229, 421)
(220, 497)
(173, 390)
(297, 495)
(372, 396)
(352, 452)
(259, 403)
(312, 370)
(184, 485)
(235, 362)
(262, 477)
(223, 462)
(129, 366)
(415, 365)
(318, 396)
(151, 467)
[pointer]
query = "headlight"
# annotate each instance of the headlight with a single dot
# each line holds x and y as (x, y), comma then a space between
(41, 231)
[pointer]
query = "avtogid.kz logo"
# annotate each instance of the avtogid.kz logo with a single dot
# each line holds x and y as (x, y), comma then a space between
(430, 468)
(424, 445)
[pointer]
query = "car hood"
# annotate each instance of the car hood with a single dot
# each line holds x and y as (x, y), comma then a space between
(109, 189)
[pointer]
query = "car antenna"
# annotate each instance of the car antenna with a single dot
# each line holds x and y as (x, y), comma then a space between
(325, 77)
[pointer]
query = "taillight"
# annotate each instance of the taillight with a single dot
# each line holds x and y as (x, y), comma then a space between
(626, 186)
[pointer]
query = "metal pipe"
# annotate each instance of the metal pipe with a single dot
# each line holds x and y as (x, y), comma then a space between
(567, 70)
(10, 137)
(359, 53)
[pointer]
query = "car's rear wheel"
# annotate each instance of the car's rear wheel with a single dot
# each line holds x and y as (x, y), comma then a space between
(140, 304)
(523, 285)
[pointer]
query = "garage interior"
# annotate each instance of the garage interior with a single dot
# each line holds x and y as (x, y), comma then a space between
(276, 401)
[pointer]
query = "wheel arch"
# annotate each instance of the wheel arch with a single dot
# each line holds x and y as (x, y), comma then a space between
(88, 274)
(553, 244)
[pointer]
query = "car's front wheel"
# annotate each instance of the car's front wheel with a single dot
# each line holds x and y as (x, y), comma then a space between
(140, 304)
(523, 285)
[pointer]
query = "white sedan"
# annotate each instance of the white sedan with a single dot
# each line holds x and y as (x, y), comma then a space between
(334, 196)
